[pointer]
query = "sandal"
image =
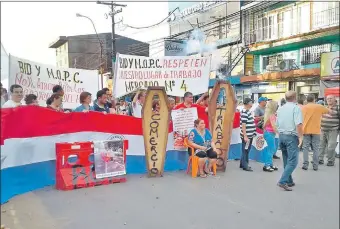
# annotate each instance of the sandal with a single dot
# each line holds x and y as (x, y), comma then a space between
(203, 175)
(208, 172)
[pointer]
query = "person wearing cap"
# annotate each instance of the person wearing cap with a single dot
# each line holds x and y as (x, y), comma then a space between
(248, 131)
(260, 109)
(259, 114)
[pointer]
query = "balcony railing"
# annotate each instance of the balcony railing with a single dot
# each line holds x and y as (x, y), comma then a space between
(284, 29)
(326, 18)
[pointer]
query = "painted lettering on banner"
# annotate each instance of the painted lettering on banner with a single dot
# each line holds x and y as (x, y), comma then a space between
(177, 74)
(153, 140)
(218, 132)
(39, 79)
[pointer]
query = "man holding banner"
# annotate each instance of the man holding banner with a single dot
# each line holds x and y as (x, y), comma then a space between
(189, 102)
(17, 95)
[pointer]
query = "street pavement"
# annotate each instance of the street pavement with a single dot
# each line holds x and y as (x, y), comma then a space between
(233, 200)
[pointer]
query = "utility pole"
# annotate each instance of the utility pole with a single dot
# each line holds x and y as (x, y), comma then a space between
(113, 36)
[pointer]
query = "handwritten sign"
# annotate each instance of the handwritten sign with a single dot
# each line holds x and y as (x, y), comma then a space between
(183, 123)
(155, 131)
(39, 79)
(177, 74)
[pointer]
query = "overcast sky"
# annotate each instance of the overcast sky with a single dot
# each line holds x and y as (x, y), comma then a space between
(27, 29)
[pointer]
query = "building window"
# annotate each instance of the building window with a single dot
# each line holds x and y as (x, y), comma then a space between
(325, 14)
(269, 63)
(285, 22)
(312, 54)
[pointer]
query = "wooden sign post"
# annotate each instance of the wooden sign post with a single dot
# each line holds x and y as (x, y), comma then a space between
(221, 118)
(155, 130)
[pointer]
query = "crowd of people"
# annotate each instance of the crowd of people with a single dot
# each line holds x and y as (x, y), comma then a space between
(305, 125)
(299, 125)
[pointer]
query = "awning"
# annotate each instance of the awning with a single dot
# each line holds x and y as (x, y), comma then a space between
(285, 75)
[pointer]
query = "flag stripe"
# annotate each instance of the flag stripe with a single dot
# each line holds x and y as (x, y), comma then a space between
(34, 121)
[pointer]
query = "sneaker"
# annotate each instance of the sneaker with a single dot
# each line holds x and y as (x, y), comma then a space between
(321, 162)
(315, 167)
(249, 169)
(285, 187)
(274, 167)
(291, 184)
(330, 163)
(267, 169)
(276, 157)
(305, 167)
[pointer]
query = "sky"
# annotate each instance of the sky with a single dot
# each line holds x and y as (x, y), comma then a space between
(27, 28)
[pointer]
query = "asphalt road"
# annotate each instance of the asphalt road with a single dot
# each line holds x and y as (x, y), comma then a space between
(234, 200)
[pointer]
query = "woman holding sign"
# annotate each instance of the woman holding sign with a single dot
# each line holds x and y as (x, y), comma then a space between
(201, 139)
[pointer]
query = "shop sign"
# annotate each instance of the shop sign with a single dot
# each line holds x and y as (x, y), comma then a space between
(330, 65)
(270, 88)
(201, 6)
(175, 48)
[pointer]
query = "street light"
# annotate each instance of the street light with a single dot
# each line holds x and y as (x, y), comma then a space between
(101, 46)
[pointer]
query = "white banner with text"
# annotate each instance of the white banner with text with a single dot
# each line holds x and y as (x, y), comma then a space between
(39, 79)
(178, 74)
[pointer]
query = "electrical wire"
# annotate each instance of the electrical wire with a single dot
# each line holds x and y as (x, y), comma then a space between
(146, 27)
(138, 48)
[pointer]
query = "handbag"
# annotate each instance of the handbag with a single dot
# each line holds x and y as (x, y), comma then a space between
(260, 124)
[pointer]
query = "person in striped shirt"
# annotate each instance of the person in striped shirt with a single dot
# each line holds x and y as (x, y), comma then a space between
(330, 125)
(248, 131)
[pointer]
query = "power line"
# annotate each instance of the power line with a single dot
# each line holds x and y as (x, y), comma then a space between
(146, 27)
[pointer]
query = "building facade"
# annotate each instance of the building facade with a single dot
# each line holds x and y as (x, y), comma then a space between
(219, 25)
(85, 51)
(286, 41)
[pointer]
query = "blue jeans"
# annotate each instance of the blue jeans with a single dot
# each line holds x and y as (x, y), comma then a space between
(271, 148)
(290, 155)
(244, 162)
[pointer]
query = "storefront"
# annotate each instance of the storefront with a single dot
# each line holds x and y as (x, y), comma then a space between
(274, 90)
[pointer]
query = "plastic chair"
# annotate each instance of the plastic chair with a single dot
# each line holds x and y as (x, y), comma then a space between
(193, 160)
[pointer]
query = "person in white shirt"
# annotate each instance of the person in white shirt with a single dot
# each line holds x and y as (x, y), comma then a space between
(4, 96)
(137, 104)
(16, 96)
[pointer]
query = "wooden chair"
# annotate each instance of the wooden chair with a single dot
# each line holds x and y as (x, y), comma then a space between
(193, 160)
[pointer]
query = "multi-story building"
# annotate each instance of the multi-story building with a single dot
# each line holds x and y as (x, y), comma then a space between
(286, 40)
(85, 51)
(219, 21)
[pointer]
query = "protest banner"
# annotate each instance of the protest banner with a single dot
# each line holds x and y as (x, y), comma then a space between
(39, 79)
(177, 74)
(183, 123)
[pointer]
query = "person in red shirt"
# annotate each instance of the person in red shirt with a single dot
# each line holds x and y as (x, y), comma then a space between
(202, 112)
(203, 100)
